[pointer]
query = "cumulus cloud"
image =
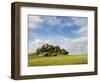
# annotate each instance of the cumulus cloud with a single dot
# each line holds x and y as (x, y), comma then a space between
(74, 40)
(83, 30)
(80, 21)
(74, 46)
(35, 21)
(52, 21)
(36, 43)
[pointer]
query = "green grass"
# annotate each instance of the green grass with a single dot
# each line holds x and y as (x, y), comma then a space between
(57, 60)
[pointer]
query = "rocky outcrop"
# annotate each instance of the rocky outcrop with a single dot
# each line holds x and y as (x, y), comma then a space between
(50, 50)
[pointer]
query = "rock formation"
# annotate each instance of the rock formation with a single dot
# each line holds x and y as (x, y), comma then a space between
(50, 50)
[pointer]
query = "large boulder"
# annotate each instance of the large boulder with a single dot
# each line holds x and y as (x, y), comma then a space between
(63, 51)
(50, 50)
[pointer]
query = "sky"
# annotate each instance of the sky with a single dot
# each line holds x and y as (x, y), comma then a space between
(70, 33)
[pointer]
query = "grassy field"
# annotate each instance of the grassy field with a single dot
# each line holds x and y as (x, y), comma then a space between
(57, 60)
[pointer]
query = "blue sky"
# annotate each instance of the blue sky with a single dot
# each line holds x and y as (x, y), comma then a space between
(67, 32)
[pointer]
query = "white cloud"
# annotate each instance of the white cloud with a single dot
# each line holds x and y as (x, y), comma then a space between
(81, 44)
(80, 21)
(35, 21)
(36, 43)
(52, 20)
(80, 39)
(74, 46)
(83, 30)
(68, 24)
